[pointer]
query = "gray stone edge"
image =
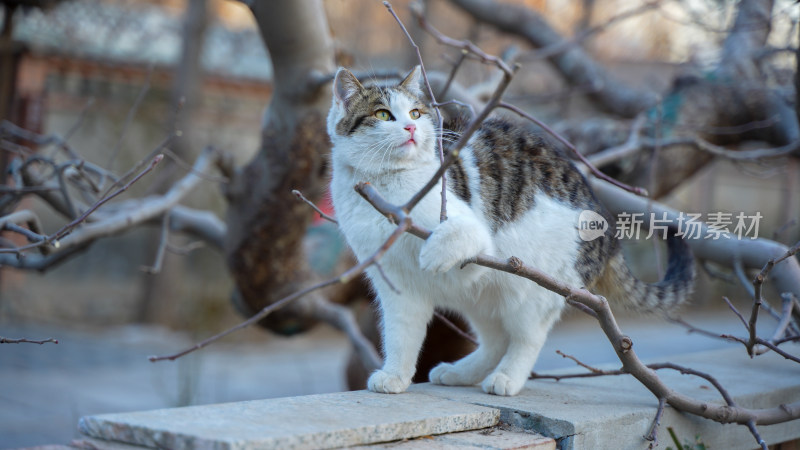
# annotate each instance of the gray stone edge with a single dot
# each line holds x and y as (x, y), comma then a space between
(562, 431)
(132, 434)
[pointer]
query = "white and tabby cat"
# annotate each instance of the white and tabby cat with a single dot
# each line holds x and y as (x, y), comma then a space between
(509, 194)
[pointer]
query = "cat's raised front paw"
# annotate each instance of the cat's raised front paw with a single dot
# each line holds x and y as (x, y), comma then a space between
(386, 383)
(452, 242)
(498, 383)
(437, 260)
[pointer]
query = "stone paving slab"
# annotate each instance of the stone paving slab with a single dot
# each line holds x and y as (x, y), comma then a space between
(495, 438)
(314, 421)
(616, 412)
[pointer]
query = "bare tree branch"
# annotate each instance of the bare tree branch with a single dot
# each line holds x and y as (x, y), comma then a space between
(4, 340)
(127, 215)
(575, 64)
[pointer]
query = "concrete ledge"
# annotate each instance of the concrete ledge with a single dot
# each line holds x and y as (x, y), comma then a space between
(314, 421)
(616, 411)
(591, 413)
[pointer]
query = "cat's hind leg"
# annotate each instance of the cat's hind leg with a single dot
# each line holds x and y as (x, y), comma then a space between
(474, 367)
(526, 338)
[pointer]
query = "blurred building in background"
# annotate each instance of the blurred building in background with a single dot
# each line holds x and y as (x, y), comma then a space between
(108, 72)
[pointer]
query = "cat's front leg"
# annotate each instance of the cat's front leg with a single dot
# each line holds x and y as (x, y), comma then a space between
(405, 321)
(454, 241)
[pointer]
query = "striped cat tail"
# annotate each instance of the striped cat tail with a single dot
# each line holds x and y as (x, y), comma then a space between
(620, 286)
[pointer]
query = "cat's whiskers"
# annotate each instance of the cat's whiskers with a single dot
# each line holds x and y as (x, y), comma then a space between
(368, 157)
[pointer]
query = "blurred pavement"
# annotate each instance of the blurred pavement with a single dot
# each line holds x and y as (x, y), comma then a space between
(45, 389)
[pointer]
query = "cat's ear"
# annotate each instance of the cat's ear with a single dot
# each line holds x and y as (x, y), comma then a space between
(412, 81)
(345, 85)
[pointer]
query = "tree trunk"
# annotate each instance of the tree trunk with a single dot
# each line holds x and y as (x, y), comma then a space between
(266, 224)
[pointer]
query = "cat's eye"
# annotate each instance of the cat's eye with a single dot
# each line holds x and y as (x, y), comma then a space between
(414, 113)
(383, 114)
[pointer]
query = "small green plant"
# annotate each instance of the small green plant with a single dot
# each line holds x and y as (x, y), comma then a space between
(696, 445)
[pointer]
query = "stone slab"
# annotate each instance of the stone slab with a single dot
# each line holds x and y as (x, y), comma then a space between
(616, 412)
(496, 438)
(314, 421)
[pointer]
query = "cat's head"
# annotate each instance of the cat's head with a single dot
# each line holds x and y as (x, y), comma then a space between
(377, 128)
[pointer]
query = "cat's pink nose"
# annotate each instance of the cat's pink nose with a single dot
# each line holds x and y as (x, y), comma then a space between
(410, 128)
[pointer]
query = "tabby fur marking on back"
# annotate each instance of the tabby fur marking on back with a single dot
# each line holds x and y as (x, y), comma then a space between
(509, 194)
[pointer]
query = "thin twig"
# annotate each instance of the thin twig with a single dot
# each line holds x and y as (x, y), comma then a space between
(449, 323)
(185, 250)
(652, 434)
(153, 153)
(461, 104)
(439, 119)
(789, 224)
(714, 272)
(747, 282)
(789, 301)
(386, 278)
(343, 278)
(4, 340)
(596, 172)
(129, 118)
(81, 117)
(777, 350)
(189, 168)
(751, 425)
(29, 235)
(692, 329)
(581, 307)
(631, 145)
(565, 44)
(772, 346)
(68, 227)
(738, 314)
(689, 371)
(757, 298)
(63, 231)
(578, 362)
(457, 65)
(460, 44)
(462, 140)
(300, 196)
(163, 242)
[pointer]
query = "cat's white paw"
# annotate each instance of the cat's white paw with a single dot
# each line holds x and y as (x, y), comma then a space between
(453, 241)
(450, 375)
(498, 383)
(441, 374)
(386, 383)
(437, 259)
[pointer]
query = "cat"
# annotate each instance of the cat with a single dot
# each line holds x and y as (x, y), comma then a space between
(508, 194)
